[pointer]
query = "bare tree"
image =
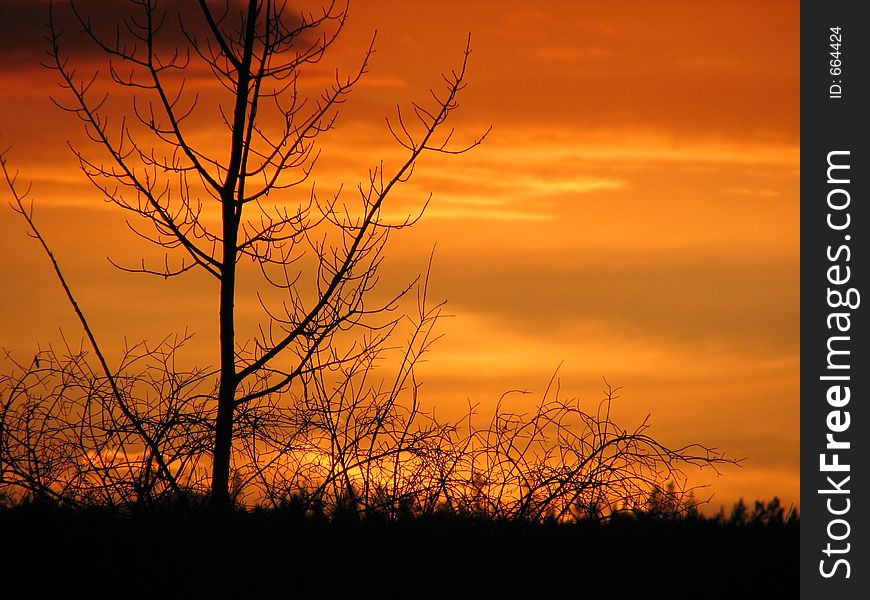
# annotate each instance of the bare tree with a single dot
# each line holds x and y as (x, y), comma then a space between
(320, 251)
(292, 412)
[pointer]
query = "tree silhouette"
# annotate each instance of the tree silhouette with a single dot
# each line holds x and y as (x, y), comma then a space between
(152, 168)
(292, 414)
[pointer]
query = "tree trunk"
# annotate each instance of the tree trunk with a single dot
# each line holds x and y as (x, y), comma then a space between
(231, 213)
(223, 440)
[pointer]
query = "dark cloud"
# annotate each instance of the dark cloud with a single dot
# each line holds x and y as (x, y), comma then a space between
(24, 26)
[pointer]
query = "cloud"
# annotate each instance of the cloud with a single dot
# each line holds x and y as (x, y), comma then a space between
(24, 27)
(753, 192)
(691, 300)
(487, 214)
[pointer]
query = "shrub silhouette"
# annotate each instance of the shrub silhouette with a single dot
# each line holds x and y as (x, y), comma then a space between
(62, 441)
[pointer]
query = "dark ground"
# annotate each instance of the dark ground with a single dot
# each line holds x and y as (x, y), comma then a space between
(52, 552)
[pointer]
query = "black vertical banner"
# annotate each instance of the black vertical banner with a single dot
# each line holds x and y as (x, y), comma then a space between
(835, 372)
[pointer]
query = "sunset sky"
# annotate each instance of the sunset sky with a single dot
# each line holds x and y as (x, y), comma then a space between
(633, 214)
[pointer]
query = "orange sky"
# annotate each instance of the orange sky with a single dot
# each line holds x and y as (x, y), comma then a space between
(634, 213)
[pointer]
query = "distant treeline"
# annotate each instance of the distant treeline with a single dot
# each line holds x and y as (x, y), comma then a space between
(753, 551)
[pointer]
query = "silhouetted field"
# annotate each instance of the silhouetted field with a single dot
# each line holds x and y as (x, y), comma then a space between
(752, 554)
